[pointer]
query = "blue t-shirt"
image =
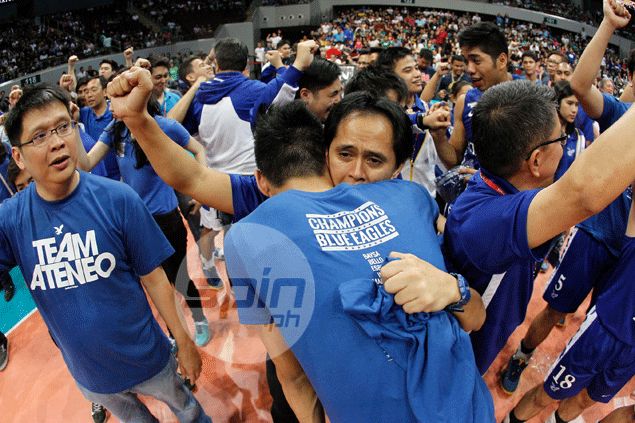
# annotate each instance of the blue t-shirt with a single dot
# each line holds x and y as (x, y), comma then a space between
(170, 98)
(81, 257)
(585, 124)
(609, 225)
(616, 303)
(612, 111)
(571, 150)
(471, 100)
(310, 262)
(158, 196)
(89, 142)
(485, 240)
(245, 195)
(4, 167)
(95, 125)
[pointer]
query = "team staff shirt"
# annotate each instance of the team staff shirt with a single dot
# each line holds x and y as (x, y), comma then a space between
(94, 126)
(246, 195)
(158, 197)
(612, 111)
(330, 246)
(81, 257)
(89, 142)
(471, 100)
(619, 294)
(485, 240)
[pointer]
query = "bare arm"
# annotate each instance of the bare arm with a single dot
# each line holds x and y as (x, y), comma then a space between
(615, 16)
(198, 150)
(431, 87)
(296, 386)
(129, 94)
(179, 111)
(163, 297)
(451, 153)
(594, 180)
(127, 56)
(71, 71)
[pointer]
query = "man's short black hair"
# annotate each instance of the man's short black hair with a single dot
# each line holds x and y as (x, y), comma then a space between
(186, 67)
(159, 61)
(320, 74)
(365, 103)
(558, 53)
(485, 36)
(509, 120)
(377, 80)
(102, 81)
(34, 97)
(114, 65)
(283, 42)
(458, 58)
(81, 82)
(389, 57)
(426, 53)
(231, 54)
(531, 55)
(288, 143)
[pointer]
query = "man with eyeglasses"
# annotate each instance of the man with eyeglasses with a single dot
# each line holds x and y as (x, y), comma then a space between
(81, 242)
(502, 225)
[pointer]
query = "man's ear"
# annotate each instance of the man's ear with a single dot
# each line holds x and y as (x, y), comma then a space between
(263, 184)
(306, 94)
(534, 162)
(501, 61)
(17, 156)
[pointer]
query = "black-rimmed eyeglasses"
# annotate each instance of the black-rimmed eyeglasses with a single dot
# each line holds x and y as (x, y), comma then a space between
(561, 139)
(62, 130)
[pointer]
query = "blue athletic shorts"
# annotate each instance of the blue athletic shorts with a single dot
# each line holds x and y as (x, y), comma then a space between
(593, 359)
(583, 263)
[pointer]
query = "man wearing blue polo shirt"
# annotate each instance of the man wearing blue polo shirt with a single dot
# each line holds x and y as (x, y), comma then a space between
(95, 116)
(502, 224)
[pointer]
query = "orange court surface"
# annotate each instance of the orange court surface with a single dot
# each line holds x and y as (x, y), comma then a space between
(36, 386)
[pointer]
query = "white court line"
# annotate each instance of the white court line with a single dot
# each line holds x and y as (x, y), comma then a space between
(21, 321)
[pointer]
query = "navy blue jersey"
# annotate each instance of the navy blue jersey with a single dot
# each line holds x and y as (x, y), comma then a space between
(471, 100)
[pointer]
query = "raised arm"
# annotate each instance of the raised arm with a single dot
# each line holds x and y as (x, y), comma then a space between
(615, 17)
(129, 94)
(72, 61)
(451, 152)
(295, 384)
(430, 89)
(127, 57)
(595, 179)
(180, 109)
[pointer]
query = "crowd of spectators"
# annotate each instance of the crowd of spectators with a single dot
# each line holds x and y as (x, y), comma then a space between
(354, 30)
(193, 18)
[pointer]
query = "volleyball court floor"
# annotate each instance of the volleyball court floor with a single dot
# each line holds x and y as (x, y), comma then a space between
(36, 386)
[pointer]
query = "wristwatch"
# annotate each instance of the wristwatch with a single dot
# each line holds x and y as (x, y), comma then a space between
(465, 292)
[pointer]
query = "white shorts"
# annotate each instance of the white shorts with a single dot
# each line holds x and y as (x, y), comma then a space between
(210, 219)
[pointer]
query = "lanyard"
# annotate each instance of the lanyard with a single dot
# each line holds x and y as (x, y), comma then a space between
(492, 184)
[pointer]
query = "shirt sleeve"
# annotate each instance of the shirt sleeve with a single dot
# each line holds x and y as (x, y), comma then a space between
(145, 244)
(174, 130)
(245, 195)
(613, 110)
(496, 236)
(244, 277)
(107, 137)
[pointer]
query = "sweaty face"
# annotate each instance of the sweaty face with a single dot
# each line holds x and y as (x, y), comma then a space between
(54, 161)
(563, 72)
(569, 108)
(482, 68)
(322, 101)
(105, 70)
(160, 77)
(407, 69)
(94, 93)
(362, 150)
